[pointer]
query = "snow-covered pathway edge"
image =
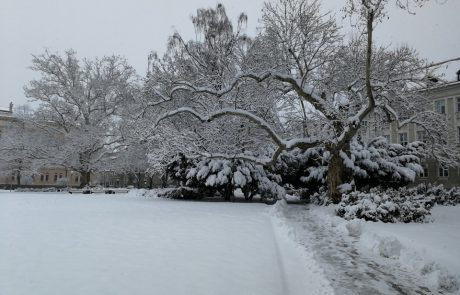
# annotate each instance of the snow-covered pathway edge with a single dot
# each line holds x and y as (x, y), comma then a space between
(427, 250)
(296, 283)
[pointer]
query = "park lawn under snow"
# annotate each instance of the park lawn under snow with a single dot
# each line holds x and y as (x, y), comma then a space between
(56, 243)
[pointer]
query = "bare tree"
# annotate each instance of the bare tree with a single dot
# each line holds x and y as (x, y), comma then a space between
(81, 103)
(299, 56)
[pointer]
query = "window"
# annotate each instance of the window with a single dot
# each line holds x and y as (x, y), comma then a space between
(421, 136)
(424, 173)
(60, 175)
(458, 104)
(440, 106)
(443, 171)
(403, 138)
(55, 177)
(47, 177)
(76, 178)
(41, 177)
(458, 133)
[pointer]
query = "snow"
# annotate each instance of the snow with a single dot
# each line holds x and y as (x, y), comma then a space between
(345, 187)
(428, 251)
(436, 242)
(239, 179)
(56, 243)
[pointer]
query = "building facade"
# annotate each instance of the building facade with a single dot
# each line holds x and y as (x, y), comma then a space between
(49, 177)
(445, 100)
(62, 177)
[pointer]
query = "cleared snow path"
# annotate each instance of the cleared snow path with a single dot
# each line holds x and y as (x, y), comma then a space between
(54, 243)
(350, 272)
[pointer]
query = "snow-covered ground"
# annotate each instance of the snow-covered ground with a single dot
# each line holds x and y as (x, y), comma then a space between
(56, 243)
(380, 258)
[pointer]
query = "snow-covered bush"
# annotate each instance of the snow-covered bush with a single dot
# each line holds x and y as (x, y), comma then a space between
(303, 171)
(217, 176)
(181, 193)
(387, 206)
(437, 194)
(377, 163)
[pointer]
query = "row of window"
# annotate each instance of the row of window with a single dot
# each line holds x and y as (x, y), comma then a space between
(442, 171)
(46, 177)
(440, 105)
(421, 136)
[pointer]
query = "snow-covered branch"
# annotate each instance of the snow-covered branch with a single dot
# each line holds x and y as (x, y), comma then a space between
(303, 143)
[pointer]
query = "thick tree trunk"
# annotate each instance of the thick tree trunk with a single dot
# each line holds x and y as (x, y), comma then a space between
(84, 178)
(151, 182)
(335, 176)
(164, 179)
(18, 179)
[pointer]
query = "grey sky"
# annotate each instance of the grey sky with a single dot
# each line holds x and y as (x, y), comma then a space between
(132, 28)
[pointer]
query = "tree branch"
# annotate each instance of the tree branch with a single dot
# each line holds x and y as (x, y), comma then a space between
(282, 144)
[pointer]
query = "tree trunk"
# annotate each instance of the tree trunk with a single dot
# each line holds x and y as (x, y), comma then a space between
(227, 192)
(164, 179)
(151, 182)
(335, 176)
(139, 179)
(18, 179)
(84, 178)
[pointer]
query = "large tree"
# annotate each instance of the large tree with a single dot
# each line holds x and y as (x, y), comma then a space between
(213, 58)
(300, 83)
(81, 103)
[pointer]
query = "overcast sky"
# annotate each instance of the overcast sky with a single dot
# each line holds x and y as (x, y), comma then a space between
(133, 28)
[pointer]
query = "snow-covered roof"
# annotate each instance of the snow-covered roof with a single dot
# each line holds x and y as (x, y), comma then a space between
(444, 85)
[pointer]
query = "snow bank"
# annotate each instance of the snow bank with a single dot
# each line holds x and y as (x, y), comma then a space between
(311, 279)
(431, 250)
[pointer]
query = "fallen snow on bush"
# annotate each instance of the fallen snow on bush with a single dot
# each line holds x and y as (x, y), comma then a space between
(387, 206)
(396, 205)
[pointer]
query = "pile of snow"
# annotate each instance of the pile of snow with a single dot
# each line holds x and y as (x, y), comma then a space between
(429, 250)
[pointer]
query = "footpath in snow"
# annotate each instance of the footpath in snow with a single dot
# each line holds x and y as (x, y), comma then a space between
(376, 258)
(56, 243)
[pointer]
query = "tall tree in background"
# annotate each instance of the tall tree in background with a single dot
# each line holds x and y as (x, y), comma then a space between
(81, 102)
(298, 60)
(216, 55)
